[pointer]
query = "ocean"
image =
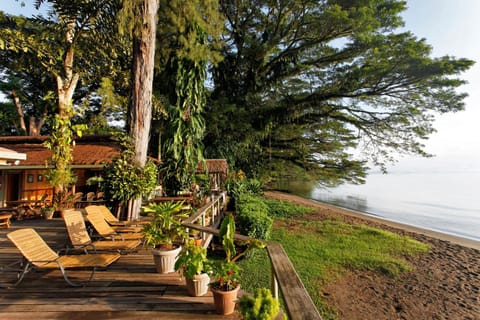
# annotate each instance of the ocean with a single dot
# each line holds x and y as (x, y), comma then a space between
(446, 202)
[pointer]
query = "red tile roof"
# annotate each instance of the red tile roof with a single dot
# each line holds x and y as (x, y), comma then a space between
(88, 151)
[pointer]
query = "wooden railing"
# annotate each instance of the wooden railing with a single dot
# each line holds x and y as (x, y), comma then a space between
(209, 216)
(284, 278)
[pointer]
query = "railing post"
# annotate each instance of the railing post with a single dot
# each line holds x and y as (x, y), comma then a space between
(274, 283)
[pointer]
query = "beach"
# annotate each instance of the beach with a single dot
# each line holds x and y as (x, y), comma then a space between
(445, 282)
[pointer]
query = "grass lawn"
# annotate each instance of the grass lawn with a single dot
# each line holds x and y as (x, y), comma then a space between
(324, 250)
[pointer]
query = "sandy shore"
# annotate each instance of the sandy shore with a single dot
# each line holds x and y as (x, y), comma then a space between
(445, 283)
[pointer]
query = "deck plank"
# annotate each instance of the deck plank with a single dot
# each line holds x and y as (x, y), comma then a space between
(129, 289)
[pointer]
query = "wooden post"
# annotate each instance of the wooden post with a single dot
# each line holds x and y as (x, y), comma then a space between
(274, 284)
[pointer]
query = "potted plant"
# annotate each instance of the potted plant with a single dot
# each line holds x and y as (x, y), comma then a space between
(195, 265)
(262, 305)
(196, 237)
(47, 212)
(165, 233)
(226, 285)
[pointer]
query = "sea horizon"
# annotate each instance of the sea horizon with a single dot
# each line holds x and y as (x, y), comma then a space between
(444, 202)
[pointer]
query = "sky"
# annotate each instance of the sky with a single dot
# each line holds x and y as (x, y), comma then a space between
(449, 26)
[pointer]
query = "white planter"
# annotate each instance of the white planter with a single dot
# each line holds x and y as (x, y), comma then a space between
(165, 259)
(198, 286)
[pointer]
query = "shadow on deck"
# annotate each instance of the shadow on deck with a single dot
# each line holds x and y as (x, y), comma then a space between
(128, 289)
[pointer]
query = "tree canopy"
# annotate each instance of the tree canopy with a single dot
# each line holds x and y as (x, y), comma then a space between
(64, 56)
(302, 84)
(279, 88)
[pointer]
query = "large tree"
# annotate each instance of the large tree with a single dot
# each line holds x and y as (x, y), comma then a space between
(138, 18)
(303, 83)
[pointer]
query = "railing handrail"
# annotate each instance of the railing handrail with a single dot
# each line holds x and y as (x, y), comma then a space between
(203, 210)
(298, 302)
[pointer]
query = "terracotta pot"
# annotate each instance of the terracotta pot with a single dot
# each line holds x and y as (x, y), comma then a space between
(165, 259)
(225, 300)
(198, 242)
(198, 286)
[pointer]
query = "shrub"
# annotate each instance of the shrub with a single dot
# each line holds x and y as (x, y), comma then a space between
(252, 217)
(261, 306)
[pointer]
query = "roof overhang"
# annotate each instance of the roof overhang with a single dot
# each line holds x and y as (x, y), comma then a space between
(34, 167)
(10, 157)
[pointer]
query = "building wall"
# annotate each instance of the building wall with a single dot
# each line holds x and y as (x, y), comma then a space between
(35, 185)
(32, 185)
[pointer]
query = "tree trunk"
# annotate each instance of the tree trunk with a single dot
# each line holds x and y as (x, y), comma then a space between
(16, 101)
(141, 101)
(35, 125)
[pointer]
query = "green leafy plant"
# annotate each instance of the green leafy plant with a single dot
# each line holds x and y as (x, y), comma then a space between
(261, 306)
(47, 209)
(123, 179)
(193, 260)
(226, 272)
(61, 143)
(227, 276)
(166, 225)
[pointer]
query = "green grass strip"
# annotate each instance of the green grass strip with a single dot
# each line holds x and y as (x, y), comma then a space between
(322, 250)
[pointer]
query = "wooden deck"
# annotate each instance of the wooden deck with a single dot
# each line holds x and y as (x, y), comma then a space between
(129, 289)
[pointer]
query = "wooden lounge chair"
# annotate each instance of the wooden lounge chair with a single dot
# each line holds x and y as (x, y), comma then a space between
(90, 196)
(117, 225)
(79, 238)
(38, 255)
(113, 220)
(104, 230)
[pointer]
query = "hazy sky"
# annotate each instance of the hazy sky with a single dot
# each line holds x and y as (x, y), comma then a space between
(450, 26)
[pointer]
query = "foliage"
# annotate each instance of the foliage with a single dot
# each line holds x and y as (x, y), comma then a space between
(108, 113)
(29, 90)
(9, 123)
(261, 306)
(61, 144)
(166, 225)
(188, 33)
(46, 209)
(226, 271)
(323, 250)
(39, 52)
(182, 148)
(192, 260)
(237, 186)
(203, 181)
(302, 84)
(226, 276)
(285, 209)
(252, 217)
(124, 179)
